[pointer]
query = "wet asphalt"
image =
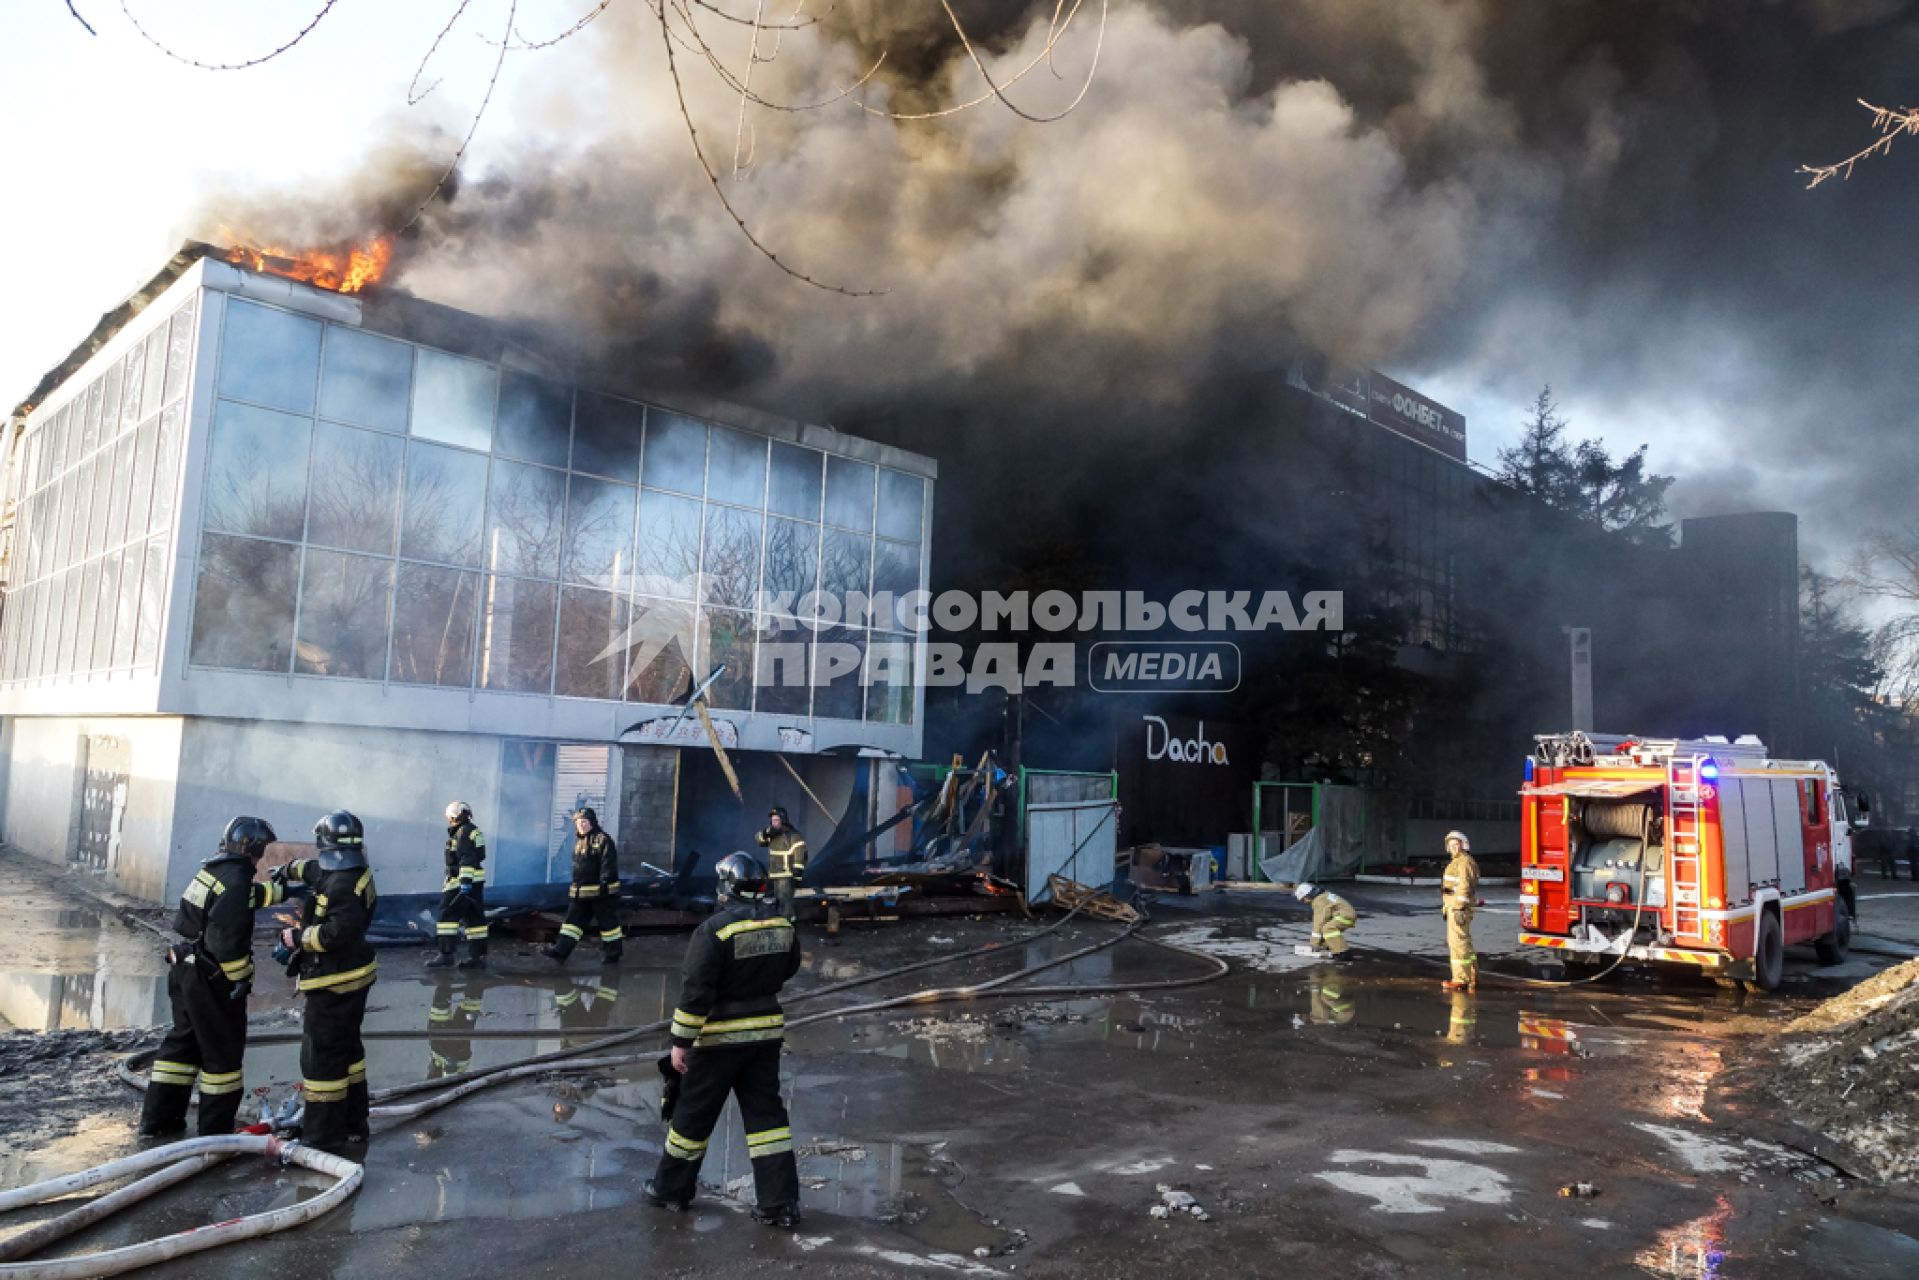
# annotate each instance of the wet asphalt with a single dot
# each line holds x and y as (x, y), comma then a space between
(1344, 1119)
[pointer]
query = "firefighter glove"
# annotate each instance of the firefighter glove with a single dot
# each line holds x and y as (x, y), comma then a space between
(241, 990)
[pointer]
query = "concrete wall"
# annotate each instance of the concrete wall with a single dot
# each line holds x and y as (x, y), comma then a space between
(397, 781)
(648, 778)
(45, 762)
(1426, 837)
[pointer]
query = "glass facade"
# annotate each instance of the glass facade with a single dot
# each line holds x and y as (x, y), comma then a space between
(96, 497)
(1420, 500)
(381, 511)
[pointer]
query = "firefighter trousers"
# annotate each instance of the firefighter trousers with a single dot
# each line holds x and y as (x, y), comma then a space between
(603, 912)
(1459, 945)
(784, 887)
(207, 1043)
(1334, 934)
(333, 1064)
(463, 915)
(751, 1073)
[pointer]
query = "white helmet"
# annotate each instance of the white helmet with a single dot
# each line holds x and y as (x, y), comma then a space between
(457, 810)
(1460, 836)
(1304, 890)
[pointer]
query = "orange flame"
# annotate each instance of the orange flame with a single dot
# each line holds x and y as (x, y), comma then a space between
(346, 272)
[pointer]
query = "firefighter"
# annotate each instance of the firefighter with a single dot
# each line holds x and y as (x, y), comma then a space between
(463, 896)
(594, 893)
(451, 1021)
(786, 852)
(335, 967)
(209, 976)
(1458, 896)
(1332, 916)
(727, 1033)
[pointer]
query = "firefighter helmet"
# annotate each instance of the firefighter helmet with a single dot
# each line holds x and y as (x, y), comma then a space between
(458, 811)
(586, 811)
(1304, 890)
(779, 811)
(247, 835)
(342, 841)
(1460, 836)
(740, 875)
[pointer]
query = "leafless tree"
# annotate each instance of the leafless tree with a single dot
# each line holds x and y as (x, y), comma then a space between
(1889, 123)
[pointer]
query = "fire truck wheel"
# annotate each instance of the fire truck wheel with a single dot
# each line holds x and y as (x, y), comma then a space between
(1769, 964)
(1833, 947)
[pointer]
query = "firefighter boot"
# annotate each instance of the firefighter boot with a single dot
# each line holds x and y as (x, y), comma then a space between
(658, 1201)
(475, 954)
(786, 1217)
(444, 960)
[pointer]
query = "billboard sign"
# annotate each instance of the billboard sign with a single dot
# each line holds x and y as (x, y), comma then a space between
(1389, 403)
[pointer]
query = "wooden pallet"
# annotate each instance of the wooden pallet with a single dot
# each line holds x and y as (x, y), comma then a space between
(1097, 903)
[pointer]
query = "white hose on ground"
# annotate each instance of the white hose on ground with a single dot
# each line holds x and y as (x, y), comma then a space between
(36, 1238)
(112, 1262)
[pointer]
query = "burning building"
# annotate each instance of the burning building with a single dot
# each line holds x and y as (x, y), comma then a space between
(282, 541)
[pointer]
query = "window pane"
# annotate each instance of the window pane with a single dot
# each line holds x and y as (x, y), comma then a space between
(119, 491)
(82, 659)
(179, 347)
(902, 498)
(599, 533)
(102, 500)
(792, 559)
(453, 400)
(783, 666)
(356, 503)
(728, 636)
(795, 488)
(606, 436)
(535, 417)
(668, 561)
(675, 453)
(849, 494)
(731, 556)
(101, 425)
(889, 679)
(657, 666)
(445, 505)
(366, 379)
(81, 500)
(896, 568)
(104, 610)
(156, 375)
(166, 467)
(132, 384)
(843, 564)
(69, 622)
(140, 502)
(243, 604)
(434, 617)
(81, 442)
(524, 520)
(269, 357)
(516, 636)
(257, 472)
(592, 644)
(838, 657)
(737, 468)
(146, 642)
(343, 616)
(123, 622)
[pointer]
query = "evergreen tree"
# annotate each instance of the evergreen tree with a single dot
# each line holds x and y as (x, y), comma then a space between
(1620, 497)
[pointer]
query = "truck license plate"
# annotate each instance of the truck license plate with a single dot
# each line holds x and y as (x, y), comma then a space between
(1553, 875)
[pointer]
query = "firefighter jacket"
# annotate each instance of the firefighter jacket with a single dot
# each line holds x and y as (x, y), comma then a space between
(786, 851)
(465, 855)
(216, 914)
(596, 866)
(1328, 907)
(334, 952)
(736, 964)
(1459, 889)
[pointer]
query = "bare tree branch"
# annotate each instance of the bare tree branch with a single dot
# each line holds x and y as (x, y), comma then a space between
(82, 21)
(1890, 123)
(326, 7)
(493, 81)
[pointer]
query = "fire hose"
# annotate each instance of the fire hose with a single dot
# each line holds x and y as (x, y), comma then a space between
(175, 1163)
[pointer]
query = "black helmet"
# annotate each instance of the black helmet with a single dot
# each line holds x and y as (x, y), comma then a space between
(339, 829)
(250, 836)
(586, 811)
(741, 876)
(779, 811)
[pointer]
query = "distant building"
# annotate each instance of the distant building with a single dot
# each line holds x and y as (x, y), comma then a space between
(277, 550)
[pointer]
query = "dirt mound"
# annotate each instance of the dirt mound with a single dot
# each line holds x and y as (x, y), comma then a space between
(53, 1081)
(1850, 1069)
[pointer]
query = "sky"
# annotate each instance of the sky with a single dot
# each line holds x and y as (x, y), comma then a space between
(1479, 198)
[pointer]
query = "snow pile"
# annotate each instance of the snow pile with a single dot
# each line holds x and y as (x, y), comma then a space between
(1851, 1071)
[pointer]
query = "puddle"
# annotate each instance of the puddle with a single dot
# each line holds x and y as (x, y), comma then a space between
(909, 1187)
(1694, 1250)
(1001, 1038)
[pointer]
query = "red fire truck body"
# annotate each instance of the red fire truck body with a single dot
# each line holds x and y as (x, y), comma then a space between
(1705, 853)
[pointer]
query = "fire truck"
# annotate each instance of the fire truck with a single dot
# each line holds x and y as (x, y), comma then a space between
(1704, 852)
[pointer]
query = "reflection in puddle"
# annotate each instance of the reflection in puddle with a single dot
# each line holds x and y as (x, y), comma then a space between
(1693, 1250)
(999, 1041)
